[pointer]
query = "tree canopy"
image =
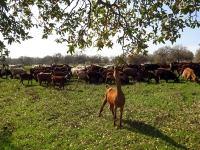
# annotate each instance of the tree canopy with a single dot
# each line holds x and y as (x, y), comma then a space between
(85, 23)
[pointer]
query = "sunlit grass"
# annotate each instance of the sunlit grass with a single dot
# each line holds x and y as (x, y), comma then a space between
(156, 116)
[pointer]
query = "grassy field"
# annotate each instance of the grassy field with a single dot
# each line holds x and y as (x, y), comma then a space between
(156, 116)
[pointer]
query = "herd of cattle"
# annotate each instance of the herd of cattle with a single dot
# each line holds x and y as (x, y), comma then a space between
(60, 74)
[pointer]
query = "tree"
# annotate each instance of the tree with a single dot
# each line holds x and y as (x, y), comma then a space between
(46, 60)
(21, 59)
(28, 61)
(137, 59)
(86, 23)
(197, 56)
(68, 59)
(162, 54)
(180, 53)
(56, 58)
(150, 58)
(187, 55)
(105, 60)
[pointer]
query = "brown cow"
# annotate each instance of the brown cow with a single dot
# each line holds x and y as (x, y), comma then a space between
(26, 76)
(130, 72)
(17, 71)
(189, 74)
(58, 79)
(147, 74)
(46, 77)
(164, 73)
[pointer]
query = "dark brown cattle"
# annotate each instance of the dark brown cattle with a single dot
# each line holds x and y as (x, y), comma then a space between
(166, 74)
(134, 66)
(110, 78)
(124, 78)
(32, 70)
(106, 70)
(95, 77)
(93, 67)
(132, 72)
(36, 72)
(149, 67)
(148, 75)
(5, 72)
(60, 73)
(44, 77)
(26, 76)
(165, 65)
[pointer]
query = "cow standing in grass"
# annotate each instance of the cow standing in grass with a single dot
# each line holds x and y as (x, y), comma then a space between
(26, 76)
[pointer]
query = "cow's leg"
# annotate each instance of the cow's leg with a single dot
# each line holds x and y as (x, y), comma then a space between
(102, 106)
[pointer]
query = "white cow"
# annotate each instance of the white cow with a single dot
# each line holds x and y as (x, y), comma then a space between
(76, 69)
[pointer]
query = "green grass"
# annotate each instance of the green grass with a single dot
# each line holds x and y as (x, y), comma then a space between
(156, 116)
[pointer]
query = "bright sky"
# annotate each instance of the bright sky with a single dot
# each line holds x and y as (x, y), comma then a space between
(38, 47)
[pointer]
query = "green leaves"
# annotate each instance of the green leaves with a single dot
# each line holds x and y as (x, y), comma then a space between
(71, 49)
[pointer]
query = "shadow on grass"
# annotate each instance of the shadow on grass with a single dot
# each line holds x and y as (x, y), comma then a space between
(149, 130)
(29, 85)
(6, 138)
(171, 82)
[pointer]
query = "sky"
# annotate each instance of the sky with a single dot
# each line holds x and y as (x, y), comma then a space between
(37, 47)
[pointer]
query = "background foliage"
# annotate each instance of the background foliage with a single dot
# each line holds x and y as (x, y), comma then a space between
(166, 54)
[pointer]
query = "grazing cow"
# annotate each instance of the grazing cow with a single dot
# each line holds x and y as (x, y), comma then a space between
(134, 66)
(124, 78)
(11, 67)
(46, 77)
(175, 67)
(35, 66)
(32, 70)
(149, 67)
(17, 71)
(194, 66)
(94, 67)
(130, 72)
(26, 76)
(82, 75)
(179, 67)
(106, 70)
(5, 72)
(189, 74)
(95, 77)
(39, 71)
(148, 75)
(163, 73)
(58, 79)
(76, 69)
(109, 77)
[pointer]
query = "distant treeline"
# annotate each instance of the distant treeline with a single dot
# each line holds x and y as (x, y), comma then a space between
(165, 54)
